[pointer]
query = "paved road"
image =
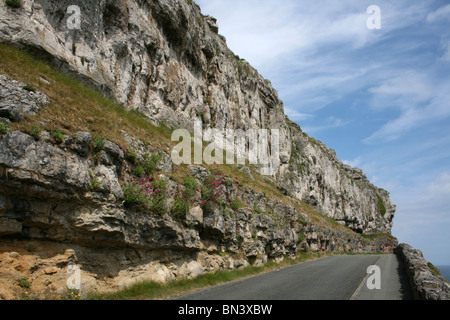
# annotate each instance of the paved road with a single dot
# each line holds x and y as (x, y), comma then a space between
(333, 278)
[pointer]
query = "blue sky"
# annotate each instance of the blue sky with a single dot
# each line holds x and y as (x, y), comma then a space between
(380, 98)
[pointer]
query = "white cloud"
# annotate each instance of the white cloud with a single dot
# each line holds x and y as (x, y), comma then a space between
(440, 187)
(353, 163)
(411, 85)
(329, 123)
(446, 55)
(295, 115)
(420, 100)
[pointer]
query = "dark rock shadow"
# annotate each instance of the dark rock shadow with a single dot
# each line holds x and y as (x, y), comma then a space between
(405, 287)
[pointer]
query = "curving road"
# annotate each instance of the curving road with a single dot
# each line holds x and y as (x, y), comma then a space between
(333, 278)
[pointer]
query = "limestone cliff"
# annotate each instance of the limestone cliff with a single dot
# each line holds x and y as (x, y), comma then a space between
(168, 61)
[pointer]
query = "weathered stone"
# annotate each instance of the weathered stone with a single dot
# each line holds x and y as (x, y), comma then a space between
(174, 71)
(195, 214)
(17, 100)
(10, 227)
(425, 284)
(82, 143)
(190, 270)
(208, 82)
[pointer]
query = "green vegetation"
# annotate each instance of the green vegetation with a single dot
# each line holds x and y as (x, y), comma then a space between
(243, 67)
(212, 194)
(29, 88)
(146, 194)
(95, 183)
(434, 269)
(139, 171)
(73, 294)
(78, 107)
(13, 3)
(57, 135)
(4, 128)
(132, 157)
(381, 206)
(150, 163)
(23, 283)
(236, 205)
(301, 237)
(99, 143)
(257, 209)
(36, 131)
(185, 198)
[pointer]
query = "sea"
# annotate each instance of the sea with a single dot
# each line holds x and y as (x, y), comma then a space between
(445, 271)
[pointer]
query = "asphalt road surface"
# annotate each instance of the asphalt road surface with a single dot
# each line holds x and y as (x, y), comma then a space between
(332, 278)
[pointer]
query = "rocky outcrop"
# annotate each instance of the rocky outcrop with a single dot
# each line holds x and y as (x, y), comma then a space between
(425, 282)
(167, 60)
(19, 99)
(316, 176)
(47, 195)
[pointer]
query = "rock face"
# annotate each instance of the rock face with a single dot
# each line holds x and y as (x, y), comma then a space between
(316, 176)
(166, 59)
(47, 195)
(426, 284)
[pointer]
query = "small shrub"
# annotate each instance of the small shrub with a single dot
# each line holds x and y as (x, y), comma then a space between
(23, 283)
(381, 206)
(73, 294)
(4, 128)
(301, 237)
(434, 269)
(256, 209)
(132, 157)
(158, 203)
(36, 131)
(13, 3)
(146, 194)
(57, 135)
(186, 198)
(235, 205)
(212, 191)
(150, 163)
(31, 248)
(95, 183)
(180, 208)
(207, 100)
(29, 88)
(139, 171)
(302, 221)
(99, 143)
